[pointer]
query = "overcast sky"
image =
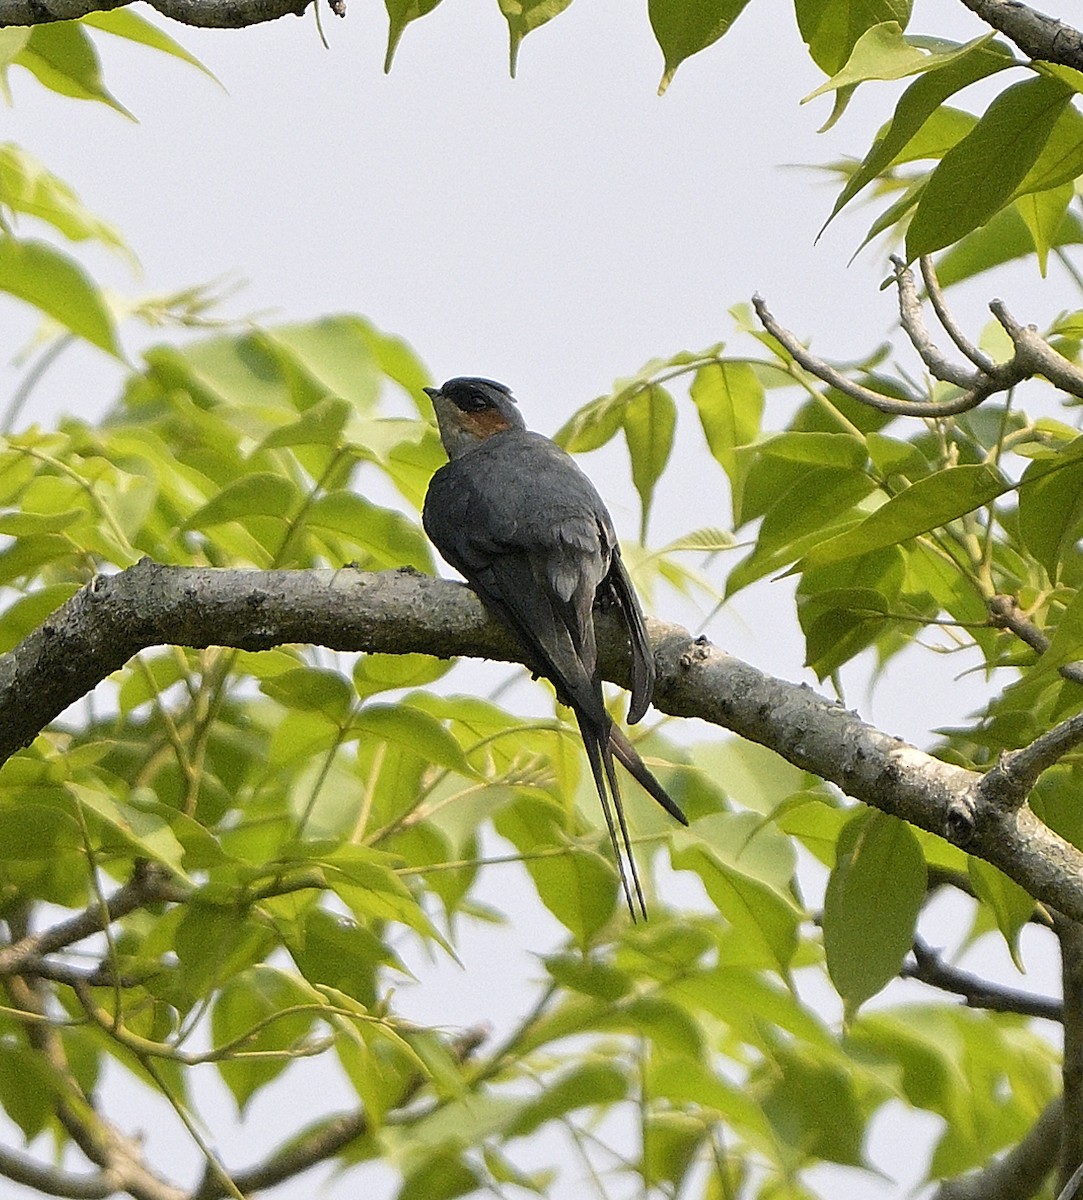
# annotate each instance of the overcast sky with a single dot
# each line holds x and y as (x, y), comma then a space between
(553, 232)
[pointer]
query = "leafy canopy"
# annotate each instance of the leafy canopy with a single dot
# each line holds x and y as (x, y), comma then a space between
(298, 827)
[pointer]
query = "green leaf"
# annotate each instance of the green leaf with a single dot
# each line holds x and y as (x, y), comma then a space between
(819, 449)
(247, 1005)
(321, 425)
(986, 166)
(819, 501)
(873, 898)
(650, 420)
(729, 399)
(63, 58)
(579, 887)
(839, 623)
(443, 1176)
(1066, 644)
(592, 1084)
(400, 13)
(417, 731)
(31, 1089)
(523, 17)
(1012, 906)
(54, 283)
(814, 1106)
(312, 690)
(386, 536)
(1043, 214)
(26, 186)
(926, 504)
(28, 612)
(1005, 238)
(747, 869)
(147, 834)
(882, 52)
(259, 494)
(375, 673)
(591, 976)
(1051, 510)
(366, 883)
(1061, 158)
(832, 28)
(31, 524)
(124, 23)
(683, 29)
(921, 101)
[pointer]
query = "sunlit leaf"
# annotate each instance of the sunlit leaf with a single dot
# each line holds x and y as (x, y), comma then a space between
(685, 29)
(871, 906)
(33, 271)
(63, 58)
(987, 165)
(524, 16)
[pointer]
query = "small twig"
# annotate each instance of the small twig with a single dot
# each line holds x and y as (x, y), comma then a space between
(1016, 771)
(1006, 614)
(326, 1141)
(51, 1181)
(912, 406)
(928, 967)
(1032, 355)
(944, 315)
(146, 885)
(913, 323)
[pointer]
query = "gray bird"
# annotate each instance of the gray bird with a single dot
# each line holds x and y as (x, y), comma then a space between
(514, 514)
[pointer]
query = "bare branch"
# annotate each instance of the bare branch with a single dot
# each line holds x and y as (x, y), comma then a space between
(146, 885)
(51, 1180)
(1018, 1173)
(1035, 356)
(1006, 614)
(913, 406)
(944, 315)
(1070, 937)
(1017, 771)
(913, 323)
(119, 1157)
(1037, 35)
(1032, 355)
(928, 967)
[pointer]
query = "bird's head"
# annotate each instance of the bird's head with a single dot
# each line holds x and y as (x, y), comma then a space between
(470, 410)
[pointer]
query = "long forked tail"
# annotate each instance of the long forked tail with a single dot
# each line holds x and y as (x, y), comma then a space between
(600, 755)
(637, 768)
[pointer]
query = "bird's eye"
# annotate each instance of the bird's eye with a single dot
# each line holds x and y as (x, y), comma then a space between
(472, 401)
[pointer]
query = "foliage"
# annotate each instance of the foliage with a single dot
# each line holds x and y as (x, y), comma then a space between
(296, 828)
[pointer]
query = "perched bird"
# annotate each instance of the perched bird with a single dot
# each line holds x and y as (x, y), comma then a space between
(517, 517)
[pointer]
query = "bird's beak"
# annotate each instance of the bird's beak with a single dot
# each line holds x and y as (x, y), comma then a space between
(432, 393)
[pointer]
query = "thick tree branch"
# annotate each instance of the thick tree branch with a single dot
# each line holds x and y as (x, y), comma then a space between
(1018, 1173)
(205, 14)
(1037, 35)
(114, 617)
